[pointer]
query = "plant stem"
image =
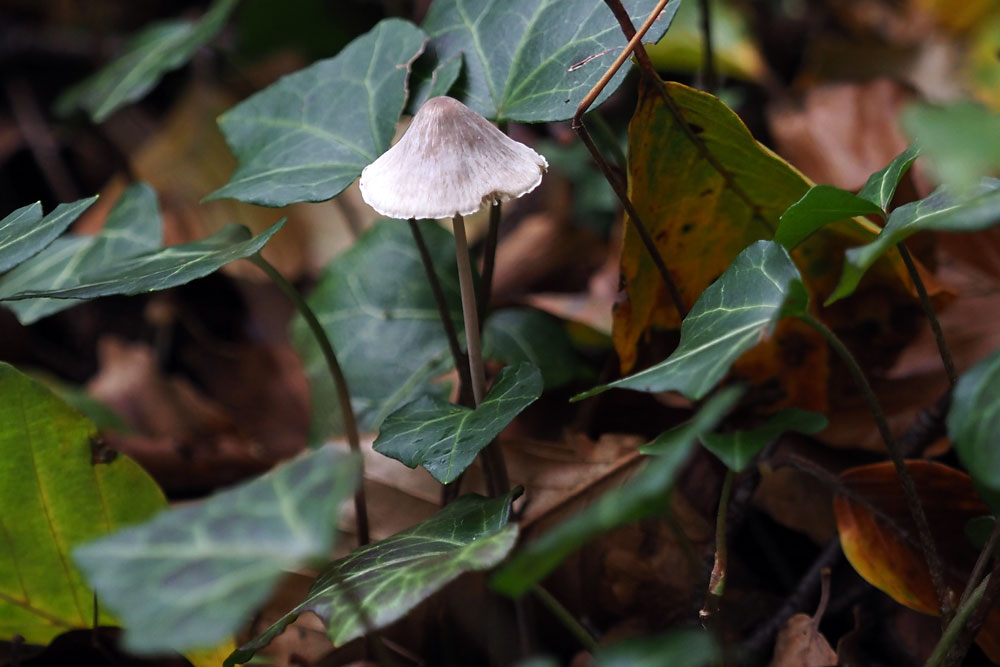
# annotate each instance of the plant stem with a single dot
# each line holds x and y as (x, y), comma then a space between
(567, 619)
(493, 458)
(458, 357)
(339, 381)
(717, 581)
(709, 77)
(954, 629)
(985, 556)
(489, 262)
(927, 545)
(925, 301)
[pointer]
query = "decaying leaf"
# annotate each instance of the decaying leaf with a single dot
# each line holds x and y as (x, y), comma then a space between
(800, 644)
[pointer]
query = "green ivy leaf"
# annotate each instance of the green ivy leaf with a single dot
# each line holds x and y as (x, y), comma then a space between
(881, 186)
(683, 648)
(445, 438)
(390, 577)
(133, 226)
(434, 81)
(308, 136)
(646, 494)
(534, 60)
(513, 335)
(384, 325)
(56, 497)
(945, 209)
(192, 575)
(974, 422)
(962, 140)
(760, 287)
(24, 233)
(156, 50)
(738, 448)
(164, 268)
(819, 206)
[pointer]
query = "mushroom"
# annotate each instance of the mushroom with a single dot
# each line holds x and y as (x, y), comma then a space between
(450, 163)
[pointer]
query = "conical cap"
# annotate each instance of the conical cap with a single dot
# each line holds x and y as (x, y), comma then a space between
(450, 161)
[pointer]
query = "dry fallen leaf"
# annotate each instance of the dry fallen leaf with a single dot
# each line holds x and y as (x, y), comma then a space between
(800, 644)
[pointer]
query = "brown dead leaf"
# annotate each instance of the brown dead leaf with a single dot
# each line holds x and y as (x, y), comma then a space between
(794, 499)
(800, 644)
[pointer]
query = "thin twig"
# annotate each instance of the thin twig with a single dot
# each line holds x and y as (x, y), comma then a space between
(717, 581)
(565, 617)
(489, 262)
(925, 301)
(931, 556)
(954, 629)
(975, 623)
(37, 134)
(339, 381)
(982, 562)
(709, 76)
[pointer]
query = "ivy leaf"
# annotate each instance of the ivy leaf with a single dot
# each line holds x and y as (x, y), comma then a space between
(25, 232)
(819, 206)
(534, 60)
(445, 438)
(433, 82)
(156, 50)
(513, 335)
(384, 326)
(945, 209)
(961, 141)
(683, 648)
(56, 497)
(974, 421)
(164, 268)
(738, 448)
(390, 577)
(732, 315)
(646, 494)
(190, 576)
(308, 136)
(133, 226)
(881, 186)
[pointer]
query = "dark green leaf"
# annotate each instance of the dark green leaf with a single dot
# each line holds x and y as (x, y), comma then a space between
(881, 186)
(514, 335)
(308, 136)
(979, 529)
(25, 232)
(819, 206)
(646, 494)
(974, 422)
(738, 448)
(55, 497)
(946, 209)
(445, 438)
(390, 577)
(192, 575)
(760, 287)
(683, 648)
(383, 324)
(164, 268)
(438, 82)
(534, 60)
(962, 141)
(133, 226)
(156, 50)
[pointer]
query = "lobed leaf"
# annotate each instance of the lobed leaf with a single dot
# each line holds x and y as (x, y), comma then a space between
(534, 60)
(881, 186)
(646, 494)
(57, 497)
(156, 50)
(164, 268)
(133, 226)
(743, 306)
(974, 422)
(308, 136)
(379, 583)
(25, 232)
(738, 448)
(819, 206)
(445, 438)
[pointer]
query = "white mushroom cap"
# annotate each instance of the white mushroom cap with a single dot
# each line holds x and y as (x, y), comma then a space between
(450, 161)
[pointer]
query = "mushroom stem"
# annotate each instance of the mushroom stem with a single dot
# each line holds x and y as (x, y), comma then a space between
(492, 457)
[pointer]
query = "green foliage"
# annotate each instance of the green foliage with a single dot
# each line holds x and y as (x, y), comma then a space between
(445, 438)
(760, 287)
(438, 81)
(133, 226)
(25, 232)
(156, 50)
(372, 315)
(684, 648)
(974, 422)
(881, 186)
(738, 448)
(820, 205)
(945, 209)
(162, 269)
(647, 494)
(379, 583)
(55, 497)
(513, 335)
(962, 140)
(533, 60)
(308, 136)
(192, 575)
